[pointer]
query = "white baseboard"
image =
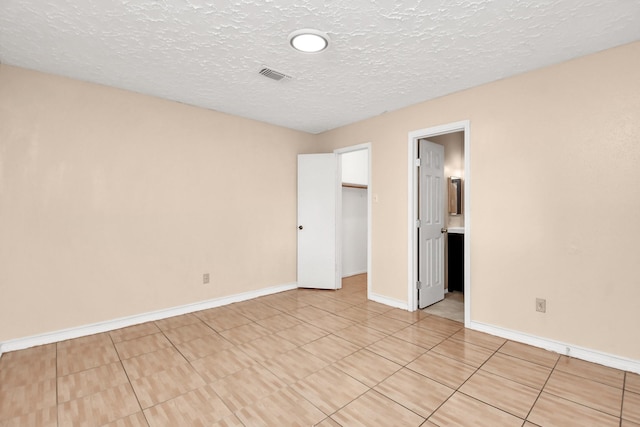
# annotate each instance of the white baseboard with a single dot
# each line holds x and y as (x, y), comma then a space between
(109, 325)
(351, 273)
(578, 352)
(388, 301)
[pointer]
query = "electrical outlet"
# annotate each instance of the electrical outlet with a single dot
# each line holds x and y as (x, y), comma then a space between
(205, 278)
(541, 305)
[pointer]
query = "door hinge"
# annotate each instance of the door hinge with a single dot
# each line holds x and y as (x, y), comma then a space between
(417, 162)
(418, 223)
(419, 285)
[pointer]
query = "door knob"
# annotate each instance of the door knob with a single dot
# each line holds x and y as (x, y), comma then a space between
(443, 230)
(300, 227)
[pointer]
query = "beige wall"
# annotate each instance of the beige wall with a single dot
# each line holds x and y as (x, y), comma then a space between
(555, 206)
(114, 203)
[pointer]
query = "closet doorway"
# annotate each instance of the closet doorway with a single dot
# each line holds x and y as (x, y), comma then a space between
(355, 222)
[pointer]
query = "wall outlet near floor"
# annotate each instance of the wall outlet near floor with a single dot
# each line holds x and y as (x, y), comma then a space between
(541, 305)
(205, 278)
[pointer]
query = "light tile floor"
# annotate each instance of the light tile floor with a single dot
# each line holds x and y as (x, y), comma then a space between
(303, 358)
(451, 307)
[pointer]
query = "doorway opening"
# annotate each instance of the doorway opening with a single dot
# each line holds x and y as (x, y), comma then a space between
(455, 139)
(354, 236)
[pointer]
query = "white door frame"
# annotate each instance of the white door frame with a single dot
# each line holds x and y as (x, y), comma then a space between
(414, 136)
(364, 146)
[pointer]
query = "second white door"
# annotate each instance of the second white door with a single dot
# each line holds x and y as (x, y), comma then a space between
(431, 229)
(317, 209)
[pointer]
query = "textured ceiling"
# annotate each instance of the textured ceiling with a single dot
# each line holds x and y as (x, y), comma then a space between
(384, 55)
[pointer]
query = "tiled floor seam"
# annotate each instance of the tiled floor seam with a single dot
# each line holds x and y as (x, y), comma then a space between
(409, 409)
(586, 406)
(343, 406)
(258, 362)
(57, 394)
(331, 364)
(130, 383)
(624, 391)
(371, 389)
(588, 378)
(542, 389)
(489, 404)
(174, 397)
(511, 379)
(384, 357)
(457, 390)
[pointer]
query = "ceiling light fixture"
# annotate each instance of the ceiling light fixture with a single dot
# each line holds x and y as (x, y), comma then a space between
(309, 41)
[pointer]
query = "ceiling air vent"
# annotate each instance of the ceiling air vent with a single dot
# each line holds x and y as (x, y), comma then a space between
(273, 74)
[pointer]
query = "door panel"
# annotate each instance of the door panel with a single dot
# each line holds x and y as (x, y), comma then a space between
(431, 237)
(317, 198)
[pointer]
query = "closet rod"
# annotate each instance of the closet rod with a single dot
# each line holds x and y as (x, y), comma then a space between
(346, 184)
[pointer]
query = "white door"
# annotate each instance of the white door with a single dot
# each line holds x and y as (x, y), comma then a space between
(430, 233)
(317, 203)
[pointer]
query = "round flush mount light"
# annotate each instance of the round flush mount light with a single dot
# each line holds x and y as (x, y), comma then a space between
(309, 41)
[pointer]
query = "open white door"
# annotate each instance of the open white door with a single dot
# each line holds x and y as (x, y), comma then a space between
(431, 228)
(317, 202)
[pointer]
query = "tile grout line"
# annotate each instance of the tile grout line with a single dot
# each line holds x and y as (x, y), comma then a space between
(579, 403)
(332, 364)
(573, 401)
(57, 394)
(129, 382)
(187, 362)
(405, 366)
(457, 390)
(624, 391)
(256, 361)
(304, 322)
(542, 388)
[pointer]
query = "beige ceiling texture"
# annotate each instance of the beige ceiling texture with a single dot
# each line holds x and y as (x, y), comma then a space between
(384, 55)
